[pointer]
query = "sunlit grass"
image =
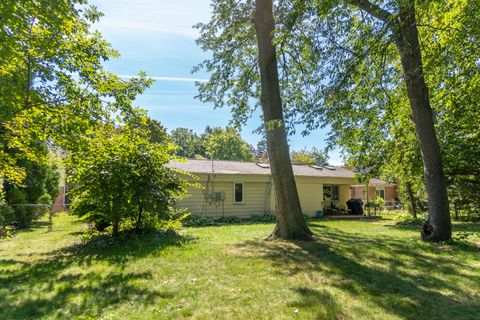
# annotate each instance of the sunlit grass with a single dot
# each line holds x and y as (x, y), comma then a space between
(354, 270)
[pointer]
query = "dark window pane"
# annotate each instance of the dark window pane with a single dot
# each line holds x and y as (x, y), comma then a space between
(238, 192)
(381, 193)
(334, 192)
(327, 192)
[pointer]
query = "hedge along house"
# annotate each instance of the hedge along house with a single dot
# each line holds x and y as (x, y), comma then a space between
(243, 189)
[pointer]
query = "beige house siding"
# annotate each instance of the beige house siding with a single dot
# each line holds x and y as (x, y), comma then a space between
(310, 192)
(256, 196)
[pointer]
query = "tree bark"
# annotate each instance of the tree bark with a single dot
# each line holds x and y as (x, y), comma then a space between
(413, 209)
(115, 227)
(139, 218)
(290, 222)
(438, 226)
(367, 205)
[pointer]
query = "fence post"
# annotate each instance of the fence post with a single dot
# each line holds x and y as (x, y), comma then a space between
(50, 219)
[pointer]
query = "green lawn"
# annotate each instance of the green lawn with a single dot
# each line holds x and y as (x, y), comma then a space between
(354, 270)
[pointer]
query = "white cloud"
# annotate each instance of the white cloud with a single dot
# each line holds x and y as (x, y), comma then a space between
(162, 16)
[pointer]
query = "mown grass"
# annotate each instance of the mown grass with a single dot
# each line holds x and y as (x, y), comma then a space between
(354, 270)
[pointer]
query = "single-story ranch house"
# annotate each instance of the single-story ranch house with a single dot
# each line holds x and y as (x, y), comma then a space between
(245, 188)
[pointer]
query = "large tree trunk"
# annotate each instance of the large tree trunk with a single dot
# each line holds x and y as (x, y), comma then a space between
(411, 199)
(290, 222)
(438, 226)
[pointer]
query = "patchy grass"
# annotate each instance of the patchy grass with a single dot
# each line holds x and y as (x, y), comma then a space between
(354, 270)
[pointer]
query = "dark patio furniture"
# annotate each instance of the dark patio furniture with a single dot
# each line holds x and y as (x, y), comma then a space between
(355, 206)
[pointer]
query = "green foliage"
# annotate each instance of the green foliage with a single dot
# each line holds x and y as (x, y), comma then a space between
(312, 157)
(379, 202)
(228, 220)
(6, 213)
(40, 186)
(198, 221)
(263, 218)
(120, 177)
(307, 218)
(216, 143)
(203, 221)
(227, 144)
(407, 219)
(52, 82)
(261, 151)
(189, 143)
(467, 215)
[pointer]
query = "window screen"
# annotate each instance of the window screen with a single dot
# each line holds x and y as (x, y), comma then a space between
(238, 192)
(381, 193)
(330, 192)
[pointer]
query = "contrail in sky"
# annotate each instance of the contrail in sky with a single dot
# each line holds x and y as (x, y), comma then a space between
(124, 76)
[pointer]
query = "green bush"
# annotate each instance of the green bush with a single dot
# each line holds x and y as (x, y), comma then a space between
(467, 216)
(40, 186)
(307, 218)
(204, 221)
(198, 221)
(407, 219)
(263, 218)
(228, 220)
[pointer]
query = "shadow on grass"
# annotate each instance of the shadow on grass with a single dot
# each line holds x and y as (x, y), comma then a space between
(36, 224)
(324, 303)
(405, 278)
(60, 284)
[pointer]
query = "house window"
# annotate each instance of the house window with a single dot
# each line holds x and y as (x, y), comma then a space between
(238, 192)
(330, 192)
(380, 192)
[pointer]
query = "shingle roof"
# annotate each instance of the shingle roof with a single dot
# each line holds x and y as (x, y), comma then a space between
(239, 167)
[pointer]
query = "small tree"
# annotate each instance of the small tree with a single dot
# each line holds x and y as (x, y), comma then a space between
(121, 176)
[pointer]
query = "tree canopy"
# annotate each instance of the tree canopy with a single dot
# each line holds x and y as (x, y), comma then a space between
(313, 156)
(52, 82)
(226, 144)
(215, 143)
(188, 142)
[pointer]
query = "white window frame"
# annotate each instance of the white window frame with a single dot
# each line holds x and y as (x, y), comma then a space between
(380, 189)
(243, 192)
(331, 192)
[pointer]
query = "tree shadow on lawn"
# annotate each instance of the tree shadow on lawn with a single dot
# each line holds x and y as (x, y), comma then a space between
(456, 227)
(53, 285)
(403, 277)
(326, 307)
(35, 225)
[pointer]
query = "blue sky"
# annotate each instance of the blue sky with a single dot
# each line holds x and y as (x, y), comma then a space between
(156, 36)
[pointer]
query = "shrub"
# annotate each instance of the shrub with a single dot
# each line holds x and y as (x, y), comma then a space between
(407, 219)
(198, 221)
(307, 218)
(40, 186)
(228, 220)
(467, 216)
(263, 218)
